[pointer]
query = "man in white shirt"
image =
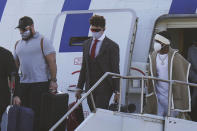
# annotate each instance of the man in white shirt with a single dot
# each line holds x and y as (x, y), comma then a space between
(166, 63)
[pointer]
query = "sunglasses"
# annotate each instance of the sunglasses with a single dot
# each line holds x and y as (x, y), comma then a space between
(22, 29)
(95, 30)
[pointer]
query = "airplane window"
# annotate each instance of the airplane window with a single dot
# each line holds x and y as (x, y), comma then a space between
(77, 41)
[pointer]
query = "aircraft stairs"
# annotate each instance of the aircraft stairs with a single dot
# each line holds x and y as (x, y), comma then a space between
(106, 120)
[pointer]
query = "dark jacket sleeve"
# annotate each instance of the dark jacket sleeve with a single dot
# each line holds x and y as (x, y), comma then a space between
(192, 57)
(115, 59)
(12, 70)
(82, 76)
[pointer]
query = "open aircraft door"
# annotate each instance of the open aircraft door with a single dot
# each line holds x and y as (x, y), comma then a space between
(71, 28)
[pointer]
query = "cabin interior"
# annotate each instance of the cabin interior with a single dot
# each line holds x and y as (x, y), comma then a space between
(182, 39)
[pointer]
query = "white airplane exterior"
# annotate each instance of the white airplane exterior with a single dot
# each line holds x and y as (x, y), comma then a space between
(130, 23)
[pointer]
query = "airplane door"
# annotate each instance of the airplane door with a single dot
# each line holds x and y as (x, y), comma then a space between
(71, 28)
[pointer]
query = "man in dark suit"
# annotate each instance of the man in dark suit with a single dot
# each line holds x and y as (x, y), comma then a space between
(100, 55)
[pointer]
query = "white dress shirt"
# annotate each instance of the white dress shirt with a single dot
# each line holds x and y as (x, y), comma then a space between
(98, 46)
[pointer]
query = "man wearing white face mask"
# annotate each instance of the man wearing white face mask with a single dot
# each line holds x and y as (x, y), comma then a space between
(36, 58)
(166, 63)
(100, 55)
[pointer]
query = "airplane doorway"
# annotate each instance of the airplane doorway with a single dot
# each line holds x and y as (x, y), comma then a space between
(182, 38)
(182, 29)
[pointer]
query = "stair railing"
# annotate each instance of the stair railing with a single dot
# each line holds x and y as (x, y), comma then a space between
(142, 78)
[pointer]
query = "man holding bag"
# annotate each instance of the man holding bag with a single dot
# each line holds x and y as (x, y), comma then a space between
(36, 58)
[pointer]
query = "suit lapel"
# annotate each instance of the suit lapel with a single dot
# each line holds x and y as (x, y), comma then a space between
(103, 47)
(88, 47)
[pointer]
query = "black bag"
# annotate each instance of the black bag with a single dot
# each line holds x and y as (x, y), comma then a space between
(53, 107)
(113, 106)
(75, 118)
(129, 109)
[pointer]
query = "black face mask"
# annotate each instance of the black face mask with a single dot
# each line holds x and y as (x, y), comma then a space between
(28, 34)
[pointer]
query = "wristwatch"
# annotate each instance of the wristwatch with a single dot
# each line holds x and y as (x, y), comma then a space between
(54, 79)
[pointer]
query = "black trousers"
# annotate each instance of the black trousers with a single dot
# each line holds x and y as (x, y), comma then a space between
(101, 100)
(193, 113)
(30, 94)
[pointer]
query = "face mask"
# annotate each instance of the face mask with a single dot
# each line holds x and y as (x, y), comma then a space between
(96, 35)
(25, 35)
(157, 46)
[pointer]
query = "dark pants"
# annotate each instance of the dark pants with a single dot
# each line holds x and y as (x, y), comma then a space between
(101, 100)
(194, 104)
(30, 94)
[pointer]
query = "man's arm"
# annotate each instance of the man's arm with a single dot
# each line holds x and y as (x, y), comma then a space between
(82, 76)
(12, 70)
(115, 59)
(48, 51)
(81, 80)
(51, 61)
(17, 64)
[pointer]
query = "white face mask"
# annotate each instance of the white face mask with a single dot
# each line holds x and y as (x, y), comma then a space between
(96, 35)
(157, 46)
(26, 34)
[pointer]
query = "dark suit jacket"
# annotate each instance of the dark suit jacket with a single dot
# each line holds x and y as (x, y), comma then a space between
(7, 66)
(108, 61)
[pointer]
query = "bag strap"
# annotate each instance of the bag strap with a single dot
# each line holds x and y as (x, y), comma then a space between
(15, 50)
(41, 45)
(16, 44)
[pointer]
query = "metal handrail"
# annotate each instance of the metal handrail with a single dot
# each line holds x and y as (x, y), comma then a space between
(171, 82)
(143, 78)
(80, 100)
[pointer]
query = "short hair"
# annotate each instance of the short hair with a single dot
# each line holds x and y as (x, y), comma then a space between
(98, 21)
